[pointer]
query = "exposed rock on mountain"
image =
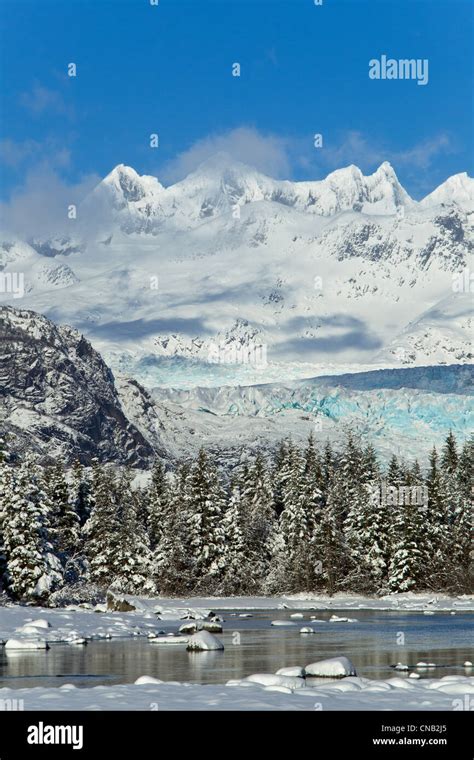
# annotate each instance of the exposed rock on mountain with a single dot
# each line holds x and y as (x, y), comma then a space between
(58, 397)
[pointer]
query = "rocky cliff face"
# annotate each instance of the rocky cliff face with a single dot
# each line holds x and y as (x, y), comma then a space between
(58, 397)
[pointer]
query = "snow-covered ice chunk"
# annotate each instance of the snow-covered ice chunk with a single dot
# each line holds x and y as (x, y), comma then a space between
(170, 640)
(400, 666)
(297, 616)
(295, 672)
(282, 623)
(15, 644)
(307, 629)
(40, 623)
(336, 619)
(29, 629)
(142, 680)
(334, 667)
(200, 625)
(204, 641)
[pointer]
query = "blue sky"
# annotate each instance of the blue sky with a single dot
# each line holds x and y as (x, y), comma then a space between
(167, 69)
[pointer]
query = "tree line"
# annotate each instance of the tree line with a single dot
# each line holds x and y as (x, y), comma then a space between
(301, 519)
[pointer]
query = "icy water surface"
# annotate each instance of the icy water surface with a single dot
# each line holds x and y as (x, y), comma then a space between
(371, 644)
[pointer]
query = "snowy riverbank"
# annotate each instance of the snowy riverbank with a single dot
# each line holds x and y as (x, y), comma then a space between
(26, 629)
(306, 601)
(448, 693)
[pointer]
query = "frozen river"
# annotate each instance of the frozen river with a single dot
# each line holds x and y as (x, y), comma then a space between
(378, 640)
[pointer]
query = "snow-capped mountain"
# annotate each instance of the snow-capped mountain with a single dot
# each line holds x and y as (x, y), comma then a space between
(218, 186)
(327, 275)
(457, 189)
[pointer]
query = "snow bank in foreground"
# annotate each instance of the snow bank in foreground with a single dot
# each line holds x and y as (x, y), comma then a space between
(448, 693)
(269, 679)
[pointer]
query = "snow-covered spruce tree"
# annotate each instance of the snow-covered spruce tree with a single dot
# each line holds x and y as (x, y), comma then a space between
(173, 563)
(366, 529)
(407, 533)
(297, 523)
(256, 493)
(306, 565)
(132, 566)
(438, 516)
(449, 454)
(101, 532)
(157, 504)
(65, 528)
(326, 462)
(32, 569)
(81, 488)
(460, 579)
(312, 482)
(343, 495)
(279, 474)
(206, 505)
(239, 574)
(330, 549)
(394, 473)
(6, 474)
(116, 543)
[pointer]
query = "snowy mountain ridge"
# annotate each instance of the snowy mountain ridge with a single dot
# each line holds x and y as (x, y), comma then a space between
(345, 271)
(219, 186)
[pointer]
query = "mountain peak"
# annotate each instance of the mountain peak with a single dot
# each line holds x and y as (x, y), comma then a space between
(127, 186)
(386, 166)
(459, 188)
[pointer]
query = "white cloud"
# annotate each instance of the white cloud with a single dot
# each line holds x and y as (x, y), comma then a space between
(265, 152)
(276, 155)
(15, 153)
(42, 99)
(40, 205)
(355, 148)
(422, 154)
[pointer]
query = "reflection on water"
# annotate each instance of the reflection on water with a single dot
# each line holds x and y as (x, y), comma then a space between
(371, 644)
